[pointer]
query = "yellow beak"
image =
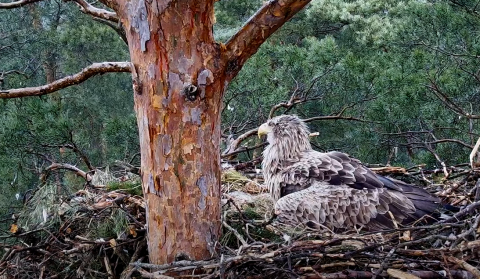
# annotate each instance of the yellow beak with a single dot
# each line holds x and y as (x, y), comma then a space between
(263, 130)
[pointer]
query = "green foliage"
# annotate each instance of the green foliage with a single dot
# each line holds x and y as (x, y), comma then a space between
(111, 227)
(257, 232)
(378, 59)
(130, 187)
(55, 38)
(230, 15)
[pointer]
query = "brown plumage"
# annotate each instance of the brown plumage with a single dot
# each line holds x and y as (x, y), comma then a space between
(333, 189)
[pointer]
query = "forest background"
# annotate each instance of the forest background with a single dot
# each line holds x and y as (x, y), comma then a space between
(391, 82)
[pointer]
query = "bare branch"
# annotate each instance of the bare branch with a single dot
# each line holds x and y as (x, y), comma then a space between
(76, 150)
(446, 52)
(233, 146)
(301, 94)
(335, 117)
(57, 166)
(472, 11)
(442, 96)
(17, 4)
(257, 29)
(128, 167)
(103, 16)
(339, 115)
(437, 157)
(89, 9)
(4, 74)
(86, 73)
(448, 140)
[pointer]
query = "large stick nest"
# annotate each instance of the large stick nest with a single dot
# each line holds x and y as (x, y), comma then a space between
(99, 232)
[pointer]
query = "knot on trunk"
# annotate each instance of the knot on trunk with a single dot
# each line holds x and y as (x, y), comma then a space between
(191, 92)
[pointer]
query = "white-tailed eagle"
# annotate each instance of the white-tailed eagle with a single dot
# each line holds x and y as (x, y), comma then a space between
(333, 189)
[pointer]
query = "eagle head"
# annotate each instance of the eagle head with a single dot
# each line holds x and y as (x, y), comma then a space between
(288, 138)
(284, 128)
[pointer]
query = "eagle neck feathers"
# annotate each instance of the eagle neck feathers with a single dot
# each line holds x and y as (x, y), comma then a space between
(286, 147)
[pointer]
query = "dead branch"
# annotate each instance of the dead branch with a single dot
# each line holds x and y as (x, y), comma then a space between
(442, 96)
(465, 266)
(76, 150)
(459, 215)
(437, 157)
(128, 167)
(473, 10)
(103, 16)
(300, 95)
(86, 73)
(389, 170)
(233, 146)
(339, 115)
(57, 166)
(89, 9)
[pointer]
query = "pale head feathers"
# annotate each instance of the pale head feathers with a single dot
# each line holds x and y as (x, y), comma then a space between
(288, 137)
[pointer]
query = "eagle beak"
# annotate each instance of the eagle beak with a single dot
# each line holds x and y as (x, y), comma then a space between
(263, 130)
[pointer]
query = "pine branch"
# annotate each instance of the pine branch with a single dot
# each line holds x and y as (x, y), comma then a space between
(257, 29)
(86, 73)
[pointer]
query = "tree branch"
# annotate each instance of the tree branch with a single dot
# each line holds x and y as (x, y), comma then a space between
(56, 166)
(89, 9)
(103, 16)
(17, 4)
(339, 115)
(233, 146)
(76, 150)
(257, 29)
(86, 73)
(442, 96)
(117, 27)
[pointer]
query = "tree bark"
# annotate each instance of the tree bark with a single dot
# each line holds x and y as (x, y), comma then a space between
(178, 87)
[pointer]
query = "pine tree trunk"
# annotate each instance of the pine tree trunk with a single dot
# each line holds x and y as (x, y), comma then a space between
(178, 89)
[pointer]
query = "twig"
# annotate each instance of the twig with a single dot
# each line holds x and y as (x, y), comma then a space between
(459, 215)
(465, 265)
(235, 232)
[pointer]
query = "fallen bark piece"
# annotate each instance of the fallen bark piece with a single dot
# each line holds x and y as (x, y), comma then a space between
(396, 273)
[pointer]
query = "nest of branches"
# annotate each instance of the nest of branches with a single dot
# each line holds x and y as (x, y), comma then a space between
(99, 232)
(94, 232)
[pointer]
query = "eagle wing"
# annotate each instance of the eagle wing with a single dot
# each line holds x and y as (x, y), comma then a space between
(343, 207)
(336, 168)
(339, 191)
